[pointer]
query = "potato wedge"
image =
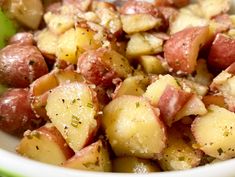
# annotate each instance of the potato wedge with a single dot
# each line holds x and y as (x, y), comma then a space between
(45, 144)
(72, 109)
(131, 124)
(179, 154)
(171, 102)
(134, 165)
(214, 132)
(103, 65)
(215, 100)
(94, 157)
(143, 44)
(139, 22)
(181, 50)
(155, 90)
(135, 85)
(212, 8)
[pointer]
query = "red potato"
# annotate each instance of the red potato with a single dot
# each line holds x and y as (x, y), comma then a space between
(181, 50)
(133, 127)
(221, 53)
(103, 65)
(139, 7)
(24, 38)
(169, 13)
(45, 144)
(81, 4)
(175, 3)
(16, 113)
(171, 102)
(73, 108)
(21, 65)
(215, 100)
(94, 157)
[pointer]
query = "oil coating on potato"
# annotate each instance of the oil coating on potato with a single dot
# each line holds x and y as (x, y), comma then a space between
(20, 65)
(16, 114)
(103, 65)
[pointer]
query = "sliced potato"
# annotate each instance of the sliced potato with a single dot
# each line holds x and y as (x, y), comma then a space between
(134, 85)
(103, 65)
(179, 154)
(94, 157)
(151, 64)
(131, 125)
(144, 44)
(45, 144)
(134, 165)
(72, 109)
(155, 90)
(214, 132)
(67, 47)
(212, 8)
(139, 22)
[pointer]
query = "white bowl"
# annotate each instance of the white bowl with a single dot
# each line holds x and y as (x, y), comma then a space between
(13, 165)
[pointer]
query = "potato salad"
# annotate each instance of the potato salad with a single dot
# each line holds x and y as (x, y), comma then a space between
(119, 86)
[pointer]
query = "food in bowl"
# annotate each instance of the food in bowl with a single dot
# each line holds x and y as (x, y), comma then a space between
(135, 87)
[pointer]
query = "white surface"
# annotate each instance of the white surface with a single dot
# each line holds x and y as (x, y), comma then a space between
(28, 168)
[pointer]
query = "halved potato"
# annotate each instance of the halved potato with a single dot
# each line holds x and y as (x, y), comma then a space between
(134, 165)
(155, 90)
(94, 157)
(143, 44)
(45, 144)
(133, 127)
(103, 65)
(135, 85)
(214, 132)
(139, 22)
(179, 154)
(181, 50)
(72, 109)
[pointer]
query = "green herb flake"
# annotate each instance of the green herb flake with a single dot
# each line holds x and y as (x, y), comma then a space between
(137, 104)
(74, 101)
(181, 158)
(90, 105)
(75, 121)
(220, 151)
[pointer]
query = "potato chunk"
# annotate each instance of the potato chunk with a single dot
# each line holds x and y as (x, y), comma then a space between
(139, 22)
(179, 154)
(103, 65)
(94, 157)
(45, 144)
(134, 165)
(215, 131)
(133, 127)
(181, 50)
(155, 90)
(72, 109)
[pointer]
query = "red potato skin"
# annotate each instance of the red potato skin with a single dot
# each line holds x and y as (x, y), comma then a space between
(178, 48)
(172, 101)
(231, 69)
(224, 21)
(23, 38)
(222, 53)
(16, 113)
(92, 68)
(168, 13)
(56, 136)
(20, 65)
(174, 3)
